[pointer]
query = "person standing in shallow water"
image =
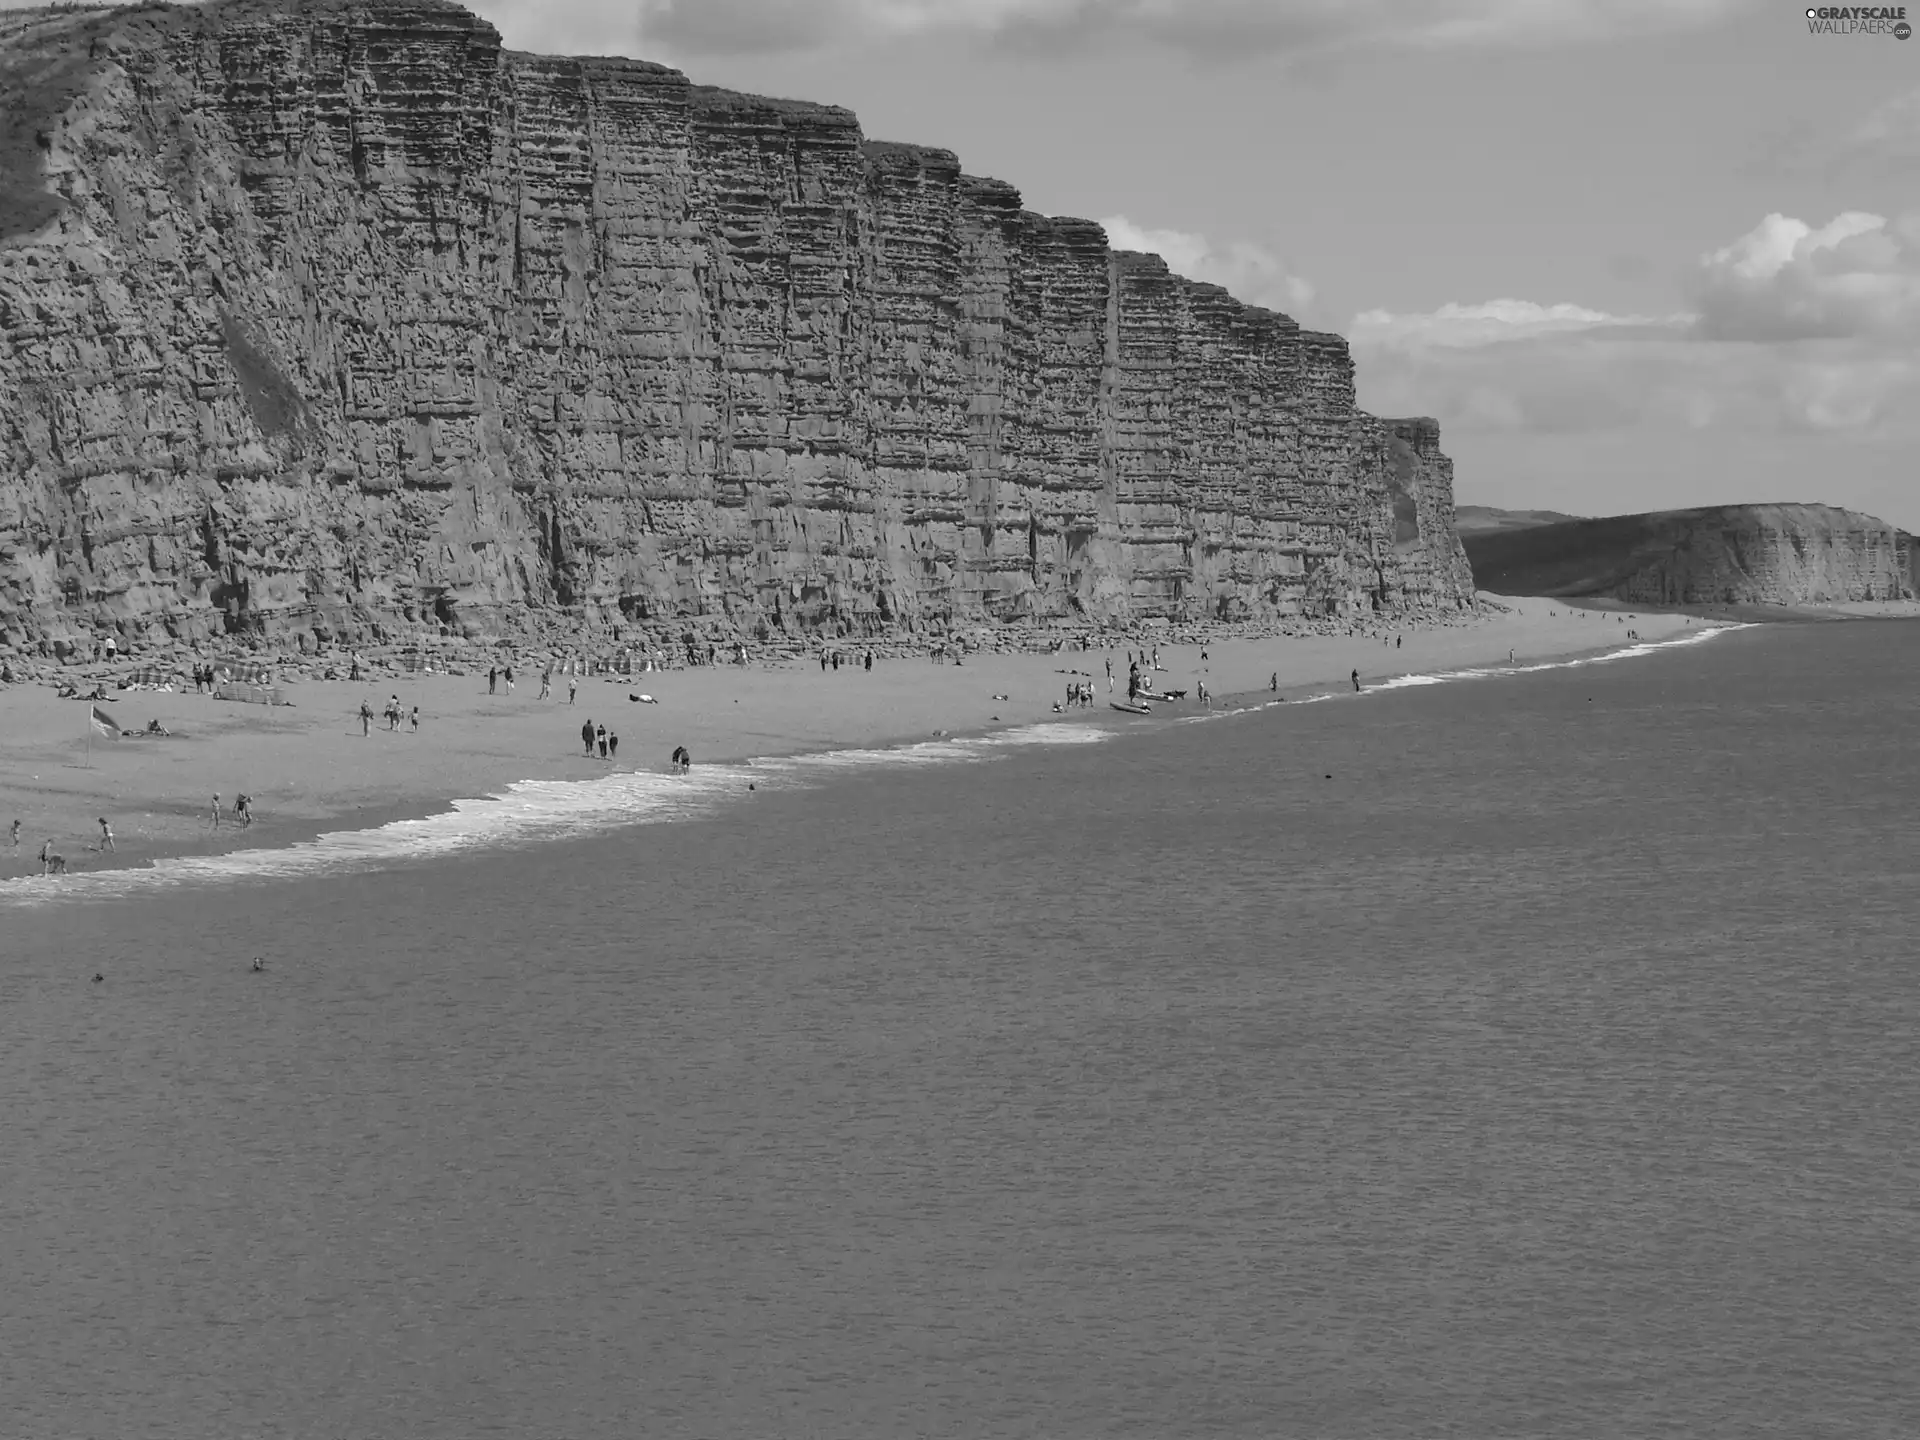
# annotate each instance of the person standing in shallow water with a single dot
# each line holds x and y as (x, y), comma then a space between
(600, 735)
(1356, 682)
(613, 747)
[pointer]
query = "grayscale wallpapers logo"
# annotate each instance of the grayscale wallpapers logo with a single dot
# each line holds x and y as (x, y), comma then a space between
(1858, 20)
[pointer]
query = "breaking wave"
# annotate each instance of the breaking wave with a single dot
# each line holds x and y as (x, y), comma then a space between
(527, 812)
(532, 811)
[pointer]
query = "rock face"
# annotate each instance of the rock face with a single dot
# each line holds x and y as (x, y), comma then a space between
(337, 319)
(1727, 555)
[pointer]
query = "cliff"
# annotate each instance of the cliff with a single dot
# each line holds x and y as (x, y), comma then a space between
(1726, 555)
(333, 321)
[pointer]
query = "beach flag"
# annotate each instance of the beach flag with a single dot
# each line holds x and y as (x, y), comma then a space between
(103, 722)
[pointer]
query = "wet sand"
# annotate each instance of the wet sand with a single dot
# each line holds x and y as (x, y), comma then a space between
(308, 767)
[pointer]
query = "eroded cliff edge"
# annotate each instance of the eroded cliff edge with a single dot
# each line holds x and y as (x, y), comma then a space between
(1719, 555)
(336, 320)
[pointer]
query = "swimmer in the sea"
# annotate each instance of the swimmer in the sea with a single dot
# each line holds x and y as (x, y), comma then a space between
(258, 964)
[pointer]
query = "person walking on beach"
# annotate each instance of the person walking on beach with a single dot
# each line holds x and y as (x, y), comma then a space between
(613, 747)
(493, 679)
(1109, 674)
(507, 675)
(869, 662)
(243, 807)
(366, 719)
(213, 812)
(414, 718)
(1274, 683)
(573, 689)
(586, 737)
(823, 662)
(106, 835)
(600, 735)
(1396, 641)
(393, 713)
(16, 834)
(1356, 682)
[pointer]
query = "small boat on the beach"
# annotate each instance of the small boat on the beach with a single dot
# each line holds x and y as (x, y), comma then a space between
(1170, 695)
(1130, 709)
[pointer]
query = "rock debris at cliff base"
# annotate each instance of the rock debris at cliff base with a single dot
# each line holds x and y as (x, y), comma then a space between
(330, 320)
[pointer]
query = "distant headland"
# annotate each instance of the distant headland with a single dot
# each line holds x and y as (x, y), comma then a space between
(1716, 556)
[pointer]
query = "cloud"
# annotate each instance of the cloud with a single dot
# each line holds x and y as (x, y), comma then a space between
(1247, 271)
(1857, 275)
(1210, 27)
(1887, 138)
(1492, 322)
(1797, 329)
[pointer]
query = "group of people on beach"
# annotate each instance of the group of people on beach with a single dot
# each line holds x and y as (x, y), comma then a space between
(832, 657)
(592, 735)
(598, 740)
(52, 862)
(394, 714)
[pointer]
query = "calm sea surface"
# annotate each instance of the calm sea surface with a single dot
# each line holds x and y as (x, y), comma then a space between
(1527, 1056)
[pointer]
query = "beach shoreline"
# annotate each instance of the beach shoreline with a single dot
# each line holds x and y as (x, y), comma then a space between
(310, 771)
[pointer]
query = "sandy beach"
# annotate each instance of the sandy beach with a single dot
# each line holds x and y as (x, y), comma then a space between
(309, 768)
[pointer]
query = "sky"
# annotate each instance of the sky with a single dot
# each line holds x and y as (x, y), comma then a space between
(1632, 254)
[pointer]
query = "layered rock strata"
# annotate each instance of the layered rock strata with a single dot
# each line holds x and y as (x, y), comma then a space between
(1724, 555)
(338, 320)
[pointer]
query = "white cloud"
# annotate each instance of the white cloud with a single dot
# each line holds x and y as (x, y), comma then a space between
(1199, 26)
(1491, 322)
(1798, 328)
(1857, 275)
(1888, 138)
(1248, 272)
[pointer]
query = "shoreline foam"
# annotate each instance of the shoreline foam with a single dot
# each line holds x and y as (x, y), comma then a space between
(534, 811)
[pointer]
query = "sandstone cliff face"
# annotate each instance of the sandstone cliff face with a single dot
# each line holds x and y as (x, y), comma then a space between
(331, 320)
(1726, 555)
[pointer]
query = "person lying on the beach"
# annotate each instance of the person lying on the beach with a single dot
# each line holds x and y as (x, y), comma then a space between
(642, 699)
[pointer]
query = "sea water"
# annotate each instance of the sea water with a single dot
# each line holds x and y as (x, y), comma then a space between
(1532, 1054)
